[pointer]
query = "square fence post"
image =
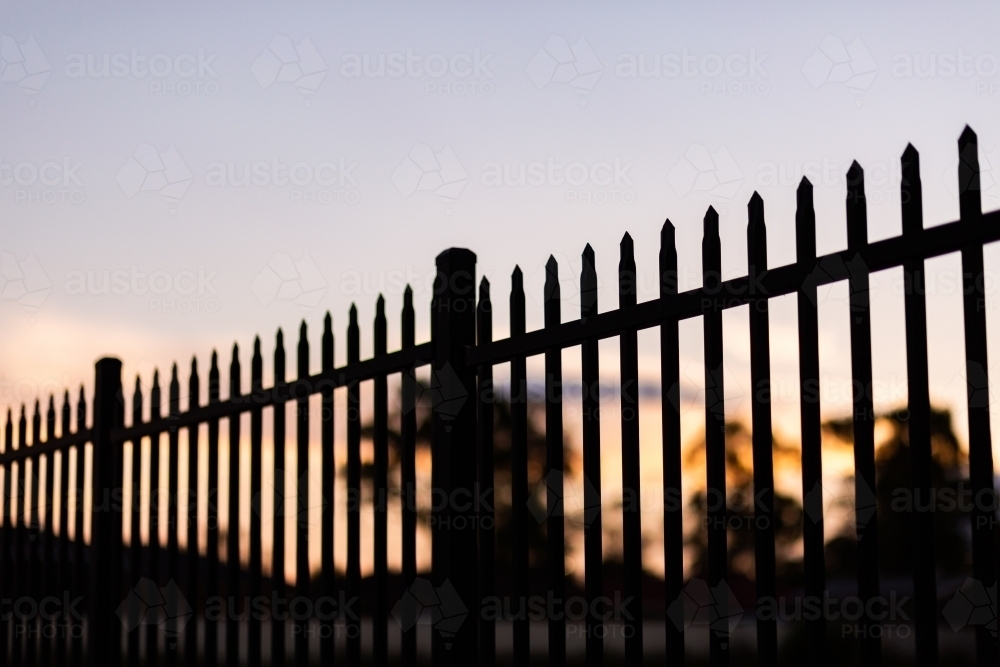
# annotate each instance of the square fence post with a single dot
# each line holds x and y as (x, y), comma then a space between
(104, 590)
(453, 387)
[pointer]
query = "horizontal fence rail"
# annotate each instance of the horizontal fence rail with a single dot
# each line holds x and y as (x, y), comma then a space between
(105, 600)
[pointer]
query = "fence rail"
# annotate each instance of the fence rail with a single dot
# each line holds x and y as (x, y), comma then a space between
(138, 598)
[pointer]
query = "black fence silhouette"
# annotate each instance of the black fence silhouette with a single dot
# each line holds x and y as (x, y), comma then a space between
(107, 590)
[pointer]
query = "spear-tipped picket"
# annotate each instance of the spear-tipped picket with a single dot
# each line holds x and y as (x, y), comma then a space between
(668, 259)
(233, 526)
(984, 557)
(863, 419)
(408, 474)
(22, 429)
(36, 427)
(175, 392)
(256, 435)
(555, 531)
(173, 472)
(135, 547)
(811, 430)
(592, 538)
(517, 320)
(66, 414)
(327, 581)
(353, 335)
(153, 507)
(326, 362)
(48, 535)
(278, 583)
(155, 396)
(193, 555)
(80, 570)
(756, 237)
(715, 431)
(588, 285)
(65, 577)
(519, 468)
(36, 463)
(50, 420)
(911, 192)
(137, 402)
(551, 297)
(626, 273)
(35, 564)
(805, 222)
(22, 545)
(279, 357)
(353, 486)
(857, 210)
(212, 501)
(673, 516)
(302, 486)
(711, 252)
(408, 318)
(11, 521)
(380, 443)
(631, 513)
(919, 427)
(81, 410)
(763, 461)
(485, 521)
(969, 189)
(194, 385)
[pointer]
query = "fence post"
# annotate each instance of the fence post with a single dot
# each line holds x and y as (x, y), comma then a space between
(103, 627)
(453, 315)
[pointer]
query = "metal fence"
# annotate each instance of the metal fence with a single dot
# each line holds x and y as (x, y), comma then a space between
(86, 602)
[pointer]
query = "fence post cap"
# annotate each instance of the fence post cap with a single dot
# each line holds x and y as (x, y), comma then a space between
(455, 255)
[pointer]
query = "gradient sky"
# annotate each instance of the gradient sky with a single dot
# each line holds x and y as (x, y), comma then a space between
(621, 115)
